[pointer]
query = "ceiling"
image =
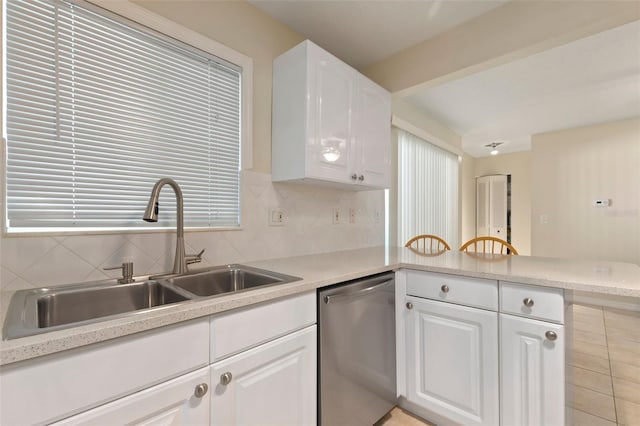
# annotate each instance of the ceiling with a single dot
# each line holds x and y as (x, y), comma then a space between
(592, 80)
(362, 32)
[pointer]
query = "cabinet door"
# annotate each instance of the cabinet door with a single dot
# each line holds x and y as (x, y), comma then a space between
(272, 384)
(332, 93)
(372, 146)
(170, 403)
(452, 361)
(532, 372)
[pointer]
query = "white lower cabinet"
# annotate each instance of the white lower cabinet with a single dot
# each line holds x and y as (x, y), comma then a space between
(271, 384)
(532, 354)
(452, 361)
(500, 360)
(175, 375)
(182, 401)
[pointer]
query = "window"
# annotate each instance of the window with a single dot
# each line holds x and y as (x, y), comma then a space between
(99, 108)
(427, 190)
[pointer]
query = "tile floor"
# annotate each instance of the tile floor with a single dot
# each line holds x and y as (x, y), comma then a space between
(605, 367)
(605, 370)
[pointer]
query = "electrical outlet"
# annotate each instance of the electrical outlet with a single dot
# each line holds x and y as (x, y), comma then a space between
(352, 215)
(336, 216)
(276, 217)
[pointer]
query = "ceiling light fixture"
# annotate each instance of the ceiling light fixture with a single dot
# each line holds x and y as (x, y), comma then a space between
(493, 146)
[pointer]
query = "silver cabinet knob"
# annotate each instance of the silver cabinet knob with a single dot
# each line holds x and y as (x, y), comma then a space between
(551, 335)
(528, 302)
(445, 288)
(201, 390)
(225, 378)
(354, 176)
(361, 178)
(409, 305)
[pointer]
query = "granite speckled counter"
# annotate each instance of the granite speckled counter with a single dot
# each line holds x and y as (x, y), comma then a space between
(319, 270)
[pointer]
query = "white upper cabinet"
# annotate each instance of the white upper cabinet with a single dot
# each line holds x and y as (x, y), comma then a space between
(331, 125)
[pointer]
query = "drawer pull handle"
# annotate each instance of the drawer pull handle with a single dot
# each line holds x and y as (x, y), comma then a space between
(201, 390)
(551, 335)
(445, 288)
(225, 378)
(409, 305)
(528, 302)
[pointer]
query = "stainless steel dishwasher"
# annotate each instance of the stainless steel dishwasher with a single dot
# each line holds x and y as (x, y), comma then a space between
(357, 358)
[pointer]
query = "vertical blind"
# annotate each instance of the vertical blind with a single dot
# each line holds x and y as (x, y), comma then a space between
(428, 190)
(98, 109)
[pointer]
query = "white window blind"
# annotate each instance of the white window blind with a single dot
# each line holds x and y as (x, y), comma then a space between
(99, 108)
(428, 190)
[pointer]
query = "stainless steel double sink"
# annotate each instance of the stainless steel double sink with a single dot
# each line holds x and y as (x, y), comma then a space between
(46, 309)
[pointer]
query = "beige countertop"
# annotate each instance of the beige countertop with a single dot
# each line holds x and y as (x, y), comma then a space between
(319, 270)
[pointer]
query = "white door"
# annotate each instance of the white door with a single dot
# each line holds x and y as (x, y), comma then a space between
(272, 384)
(452, 361)
(332, 94)
(532, 354)
(491, 206)
(372, 124)
(498, 206)
(482, 206)
(181, 401)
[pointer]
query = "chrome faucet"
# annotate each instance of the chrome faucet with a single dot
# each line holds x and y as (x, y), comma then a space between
(151, 215)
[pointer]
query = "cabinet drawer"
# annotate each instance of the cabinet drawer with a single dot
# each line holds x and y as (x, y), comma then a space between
(545, 303)
(245, 328)
(468, 291)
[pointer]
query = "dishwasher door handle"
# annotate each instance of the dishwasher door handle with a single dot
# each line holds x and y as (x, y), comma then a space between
(360, 292)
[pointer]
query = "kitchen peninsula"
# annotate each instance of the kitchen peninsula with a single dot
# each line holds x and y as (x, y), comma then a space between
(319, 270)
(209, 343)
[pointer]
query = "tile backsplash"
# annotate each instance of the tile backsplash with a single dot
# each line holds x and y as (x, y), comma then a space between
(308, 228)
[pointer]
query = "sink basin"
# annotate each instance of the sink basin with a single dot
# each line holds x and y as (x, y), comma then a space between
(47, 309)
(60, 308)
(227, 279)
(40, 310)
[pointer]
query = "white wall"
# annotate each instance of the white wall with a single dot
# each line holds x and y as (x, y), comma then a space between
(44, 261)
(570, 169)
(37, 261)
(518, 165)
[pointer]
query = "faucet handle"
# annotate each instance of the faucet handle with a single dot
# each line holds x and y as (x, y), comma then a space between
(127, 272)
(194, 258)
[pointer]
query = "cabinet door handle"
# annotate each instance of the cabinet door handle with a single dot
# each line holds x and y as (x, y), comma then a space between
(409, 305)
(225, 378)
(354, 176)
(201, 390)
(445, 288)
(361, 178)
(528, 302)
(551, 335)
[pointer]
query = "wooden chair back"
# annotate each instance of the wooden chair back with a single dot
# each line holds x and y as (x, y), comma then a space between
(425, 242)
(488, 245)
